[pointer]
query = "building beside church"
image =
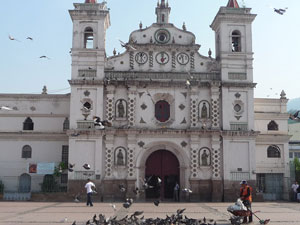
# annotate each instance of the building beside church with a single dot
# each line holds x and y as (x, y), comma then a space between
(175, 114)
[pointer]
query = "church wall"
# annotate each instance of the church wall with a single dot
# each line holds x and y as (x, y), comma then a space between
(12, 165)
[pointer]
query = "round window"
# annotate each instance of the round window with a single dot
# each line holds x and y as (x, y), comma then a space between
(162, 36)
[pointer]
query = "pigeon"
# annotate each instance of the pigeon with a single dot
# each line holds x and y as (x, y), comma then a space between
(75, 134)
(44, 57)
(122, 188)
(64, 220)
(128, 203)
(145, 183)
(280, 11)
(295, 116)
(126, 45)
(136, 191)
(71, 165)
(86, 166)
(12, 38)
(158, 181)
(180, 211)
(30, 38)
(187, 190)
(188, 83)
(156, 202)
(5, 108)
(137, 213)
(113, 206)
(97, 122)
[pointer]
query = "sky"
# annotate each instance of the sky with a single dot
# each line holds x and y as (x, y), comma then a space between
(276, 44)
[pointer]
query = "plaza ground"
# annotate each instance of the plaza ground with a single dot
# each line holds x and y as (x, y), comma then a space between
(47, 213)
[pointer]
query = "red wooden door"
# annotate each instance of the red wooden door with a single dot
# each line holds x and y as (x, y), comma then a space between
(163, 164)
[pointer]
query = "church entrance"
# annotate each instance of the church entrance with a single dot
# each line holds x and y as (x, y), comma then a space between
(165, 165)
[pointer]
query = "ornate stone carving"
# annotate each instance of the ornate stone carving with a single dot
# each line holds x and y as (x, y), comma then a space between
(141, 144)
(142, 120)
(131, 60)
(86, 93)
(143, 106)
(181, 106)
(183, 121)
(183, 144)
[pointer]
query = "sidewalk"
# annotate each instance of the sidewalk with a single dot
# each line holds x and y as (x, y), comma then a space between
(34, 213)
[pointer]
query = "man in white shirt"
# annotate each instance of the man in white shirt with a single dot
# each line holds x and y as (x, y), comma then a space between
(89, 192)
(295, 186)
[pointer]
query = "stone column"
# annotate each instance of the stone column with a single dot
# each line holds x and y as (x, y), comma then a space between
(110, 109)
(131, 106)
(109, 160)
(193, 107)
(194, 164)
(131, 164)
(216, 162)
(215, 105)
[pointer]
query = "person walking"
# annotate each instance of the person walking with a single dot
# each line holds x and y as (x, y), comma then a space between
(89, 190)
(176, 192)
(295, 187)
(246, 197)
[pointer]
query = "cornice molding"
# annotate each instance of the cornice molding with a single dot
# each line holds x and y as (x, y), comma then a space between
(33, 136)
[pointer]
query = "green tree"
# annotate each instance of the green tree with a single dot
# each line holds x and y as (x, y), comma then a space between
(297, 168)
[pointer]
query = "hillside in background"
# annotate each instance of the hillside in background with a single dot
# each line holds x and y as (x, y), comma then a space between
(293, 104)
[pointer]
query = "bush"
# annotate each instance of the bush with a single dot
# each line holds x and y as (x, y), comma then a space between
(1, 187)
(49, 184)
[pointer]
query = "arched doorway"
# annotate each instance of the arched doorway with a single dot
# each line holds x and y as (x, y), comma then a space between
(165, 165)
(25, 183)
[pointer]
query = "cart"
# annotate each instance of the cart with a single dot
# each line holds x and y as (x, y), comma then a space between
(238, 216)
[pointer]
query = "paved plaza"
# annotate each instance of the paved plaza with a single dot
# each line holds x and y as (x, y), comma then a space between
(47, 213)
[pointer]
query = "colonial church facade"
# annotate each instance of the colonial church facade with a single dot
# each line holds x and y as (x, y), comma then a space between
(176, 114)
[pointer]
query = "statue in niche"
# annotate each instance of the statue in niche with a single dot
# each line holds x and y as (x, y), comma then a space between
(204, 113)
(205, 158)
(121, 109)
(120, 158)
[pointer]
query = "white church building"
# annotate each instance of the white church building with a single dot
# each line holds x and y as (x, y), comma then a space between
(175, 114)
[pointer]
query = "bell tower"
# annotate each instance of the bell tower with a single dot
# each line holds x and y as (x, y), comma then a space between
(233, 39)
(90, 22)
(162, 12)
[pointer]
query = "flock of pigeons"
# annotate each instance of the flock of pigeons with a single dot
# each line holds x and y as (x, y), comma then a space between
(28, 38)
(135, 219)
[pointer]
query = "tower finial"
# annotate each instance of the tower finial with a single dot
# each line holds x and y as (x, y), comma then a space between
(233, 4)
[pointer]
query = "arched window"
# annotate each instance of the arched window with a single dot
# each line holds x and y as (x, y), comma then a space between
(26, 152)
(88, 38)
(236, 41)
(272, 125)
(28, 124)
(162, 111)
(163, 18)
(273, 151)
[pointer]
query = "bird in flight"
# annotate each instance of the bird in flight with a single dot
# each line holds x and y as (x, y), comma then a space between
(5, 108)
(12, 38)
(30, 38)
(280, 11)
(126, 45)
(44, 57)
(295, 116)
